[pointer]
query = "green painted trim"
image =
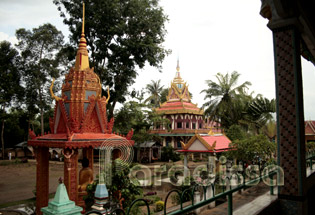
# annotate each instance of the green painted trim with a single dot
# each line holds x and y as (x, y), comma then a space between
(218, 196)
(176, 135)
(230, 204)
(277, 101)
(298, 92)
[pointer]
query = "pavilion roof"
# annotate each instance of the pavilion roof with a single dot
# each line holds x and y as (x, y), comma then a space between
(178, 98)
(207, 143)
(178, 107)
(309, 127)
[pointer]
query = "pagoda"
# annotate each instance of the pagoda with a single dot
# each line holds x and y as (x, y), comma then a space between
(186, 119)
(79, 123)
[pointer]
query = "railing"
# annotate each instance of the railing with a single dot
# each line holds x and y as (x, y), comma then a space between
(310, 156)
(224, 194)
(228, 193)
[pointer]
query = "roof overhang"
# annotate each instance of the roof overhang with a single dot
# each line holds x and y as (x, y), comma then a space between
(298, 13)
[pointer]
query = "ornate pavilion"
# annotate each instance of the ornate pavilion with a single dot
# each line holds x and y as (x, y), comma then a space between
(186, 119)
(79, 123)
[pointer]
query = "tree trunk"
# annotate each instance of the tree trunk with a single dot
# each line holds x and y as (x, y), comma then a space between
(2, 139)
(41, 112)
(42, 121)
(40, 94)
(111, 110)
(28, 128)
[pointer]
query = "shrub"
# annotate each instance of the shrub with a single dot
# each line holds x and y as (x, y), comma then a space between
(168, 153)
(159, 206)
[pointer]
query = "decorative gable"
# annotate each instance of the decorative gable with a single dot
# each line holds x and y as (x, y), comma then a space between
(197, 146)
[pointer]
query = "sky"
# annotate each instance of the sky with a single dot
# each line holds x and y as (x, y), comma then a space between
(207, 37)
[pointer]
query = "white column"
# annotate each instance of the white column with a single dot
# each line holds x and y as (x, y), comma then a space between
(196, 200)
(209, 195)
(185, 166)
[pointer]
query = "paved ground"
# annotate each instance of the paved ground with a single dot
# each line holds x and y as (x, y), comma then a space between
(17, 181)
(246, 202)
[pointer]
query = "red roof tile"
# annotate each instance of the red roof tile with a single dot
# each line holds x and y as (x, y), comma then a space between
(222, 142)
(309, 127)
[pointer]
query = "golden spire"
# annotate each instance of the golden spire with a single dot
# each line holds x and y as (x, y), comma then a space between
(82, 58)
(83, 19)
(177, 78)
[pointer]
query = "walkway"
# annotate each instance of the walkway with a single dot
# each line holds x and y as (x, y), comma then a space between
(250, 202)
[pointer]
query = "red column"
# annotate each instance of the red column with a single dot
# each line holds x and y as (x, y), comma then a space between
(71, 173)
(42, 178)
(290, 118)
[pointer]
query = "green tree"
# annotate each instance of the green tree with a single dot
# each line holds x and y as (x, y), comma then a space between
(164, 94)
(140, 118)
(235, 132)
(253, 148)
(10, 88)
(270, 130)
(259, 112)
(16, 127)
(154, 89)
(226, 99)
(122, 36)
(39, 48)
(121, 183)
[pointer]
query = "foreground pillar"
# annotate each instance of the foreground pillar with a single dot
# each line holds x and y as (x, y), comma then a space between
(42, 178)
(290, 117)
(71, 173)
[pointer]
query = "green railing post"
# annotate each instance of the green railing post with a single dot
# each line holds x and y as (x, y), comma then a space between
(311, 163)
(271, 186)
(230, 204)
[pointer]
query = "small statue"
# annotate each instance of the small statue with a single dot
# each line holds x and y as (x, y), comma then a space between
(85, 175)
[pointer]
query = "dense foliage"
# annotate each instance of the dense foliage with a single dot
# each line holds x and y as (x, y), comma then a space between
(168, 153)
(39, 48)
(155, 93)
(120, 184)
(253, 149)
(10, 88)
(139, 117)
(229, 103)
(122, 37)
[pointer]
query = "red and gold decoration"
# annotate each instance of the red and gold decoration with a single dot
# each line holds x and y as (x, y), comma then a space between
(186, 119)
(79, 122)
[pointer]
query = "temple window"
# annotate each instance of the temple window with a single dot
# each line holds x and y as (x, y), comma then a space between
(179, 125)
(194, 126)
(200, 125)
(187, 124)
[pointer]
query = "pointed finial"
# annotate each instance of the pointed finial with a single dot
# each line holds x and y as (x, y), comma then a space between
(82, 58)
(177, 67)
(83, 18)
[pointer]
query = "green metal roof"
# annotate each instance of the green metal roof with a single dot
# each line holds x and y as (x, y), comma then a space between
(176, 135)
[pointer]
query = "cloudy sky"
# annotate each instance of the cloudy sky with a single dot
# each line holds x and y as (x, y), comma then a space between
(207, 36)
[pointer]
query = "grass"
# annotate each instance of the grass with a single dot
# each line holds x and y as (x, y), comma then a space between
(21, 202)
(10, 162)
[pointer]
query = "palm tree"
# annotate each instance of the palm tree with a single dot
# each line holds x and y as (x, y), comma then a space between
(154, 89)
(259, 113)
(225, 99)
(270, 130)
